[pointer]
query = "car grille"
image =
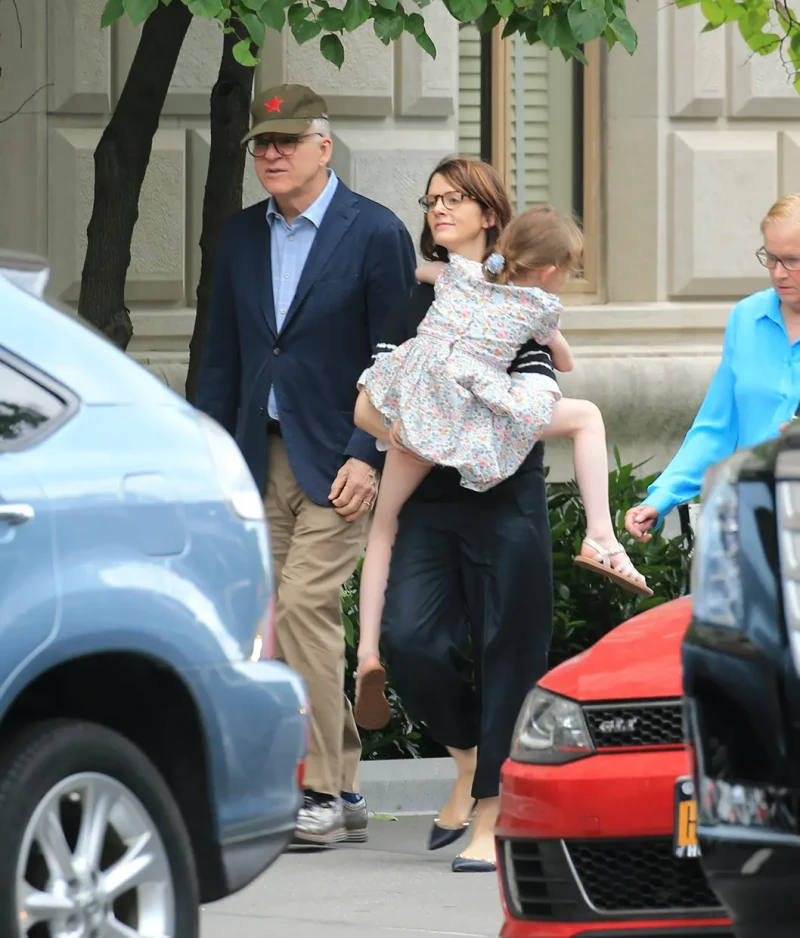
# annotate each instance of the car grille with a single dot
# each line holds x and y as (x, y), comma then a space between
(639, 875)
(635, 725)
(587, 881)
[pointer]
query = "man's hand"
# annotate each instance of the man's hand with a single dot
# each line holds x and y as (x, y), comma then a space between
(639, 520)
(354, 490)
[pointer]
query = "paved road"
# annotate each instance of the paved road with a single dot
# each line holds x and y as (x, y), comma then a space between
(388, 888)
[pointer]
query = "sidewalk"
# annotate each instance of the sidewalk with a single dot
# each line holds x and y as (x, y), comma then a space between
(390, 887)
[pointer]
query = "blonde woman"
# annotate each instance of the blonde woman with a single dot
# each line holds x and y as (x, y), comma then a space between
(756, 389)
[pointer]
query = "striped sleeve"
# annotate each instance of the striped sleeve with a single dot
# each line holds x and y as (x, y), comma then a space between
(534, 359)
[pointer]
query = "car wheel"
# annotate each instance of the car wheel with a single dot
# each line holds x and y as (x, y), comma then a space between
(94, 844)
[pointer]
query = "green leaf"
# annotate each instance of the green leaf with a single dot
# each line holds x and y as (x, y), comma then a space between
(611, 38)
(586, 25)
(298, 13)
(273, 14)
(556, 32)
(139, 10)
(207, 9)
(732, 10)
(685, 3)
(332, 20)
(625, 33)
(390, 5)
(243, 55)
(305, 31)
(505, 8)
(712, 11)
(764, 43)
(467, 10)
(332, 49)
(356, 13)
(387, 26)
(254, 5)
(425, 43)
(415, 24)
(113, 10)
(255, 27)
(489, 20)
(517, 23)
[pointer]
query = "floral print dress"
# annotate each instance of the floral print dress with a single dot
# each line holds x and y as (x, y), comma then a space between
(449, 385)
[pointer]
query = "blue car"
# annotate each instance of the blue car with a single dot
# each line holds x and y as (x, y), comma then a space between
(151, 754)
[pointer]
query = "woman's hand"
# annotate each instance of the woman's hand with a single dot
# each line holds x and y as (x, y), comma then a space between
(639, 520)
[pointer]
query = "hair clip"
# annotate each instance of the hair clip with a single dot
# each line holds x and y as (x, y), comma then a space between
(495, 263)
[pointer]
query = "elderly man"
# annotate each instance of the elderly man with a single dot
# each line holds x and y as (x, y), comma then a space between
(302, 283)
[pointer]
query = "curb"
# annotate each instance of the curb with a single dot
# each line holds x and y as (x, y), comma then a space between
(407, 786)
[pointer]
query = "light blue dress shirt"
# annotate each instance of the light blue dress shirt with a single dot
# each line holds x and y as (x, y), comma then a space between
(290, 246)
(755, 389)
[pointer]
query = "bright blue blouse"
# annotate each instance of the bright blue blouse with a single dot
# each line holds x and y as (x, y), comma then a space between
(755, 389)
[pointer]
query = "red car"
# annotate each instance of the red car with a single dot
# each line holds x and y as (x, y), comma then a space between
(596, 830)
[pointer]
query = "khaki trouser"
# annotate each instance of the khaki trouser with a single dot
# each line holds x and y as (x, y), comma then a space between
(314, 551)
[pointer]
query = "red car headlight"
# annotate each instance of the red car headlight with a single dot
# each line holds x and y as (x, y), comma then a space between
(550, 730)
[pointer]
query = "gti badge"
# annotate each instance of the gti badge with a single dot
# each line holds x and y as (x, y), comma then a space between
(619, 725)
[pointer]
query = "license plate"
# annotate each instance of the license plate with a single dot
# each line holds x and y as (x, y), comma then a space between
(685, 839)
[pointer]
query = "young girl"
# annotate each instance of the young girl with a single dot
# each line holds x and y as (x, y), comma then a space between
(450, 401)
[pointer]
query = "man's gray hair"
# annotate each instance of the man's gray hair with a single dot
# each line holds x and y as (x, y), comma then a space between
(321, 125)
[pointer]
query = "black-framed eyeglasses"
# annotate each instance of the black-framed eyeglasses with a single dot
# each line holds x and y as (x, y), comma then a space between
(449, 200)
(285, 145)
(771, 261)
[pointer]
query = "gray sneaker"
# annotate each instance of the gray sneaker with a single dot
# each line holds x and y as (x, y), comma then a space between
(321, 820)
(356, 820)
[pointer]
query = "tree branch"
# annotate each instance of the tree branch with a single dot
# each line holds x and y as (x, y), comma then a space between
(29, 98)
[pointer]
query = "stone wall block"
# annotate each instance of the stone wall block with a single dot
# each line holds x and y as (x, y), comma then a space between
(696, 65)
(79, 55)
(760, 86)
(195, 71)
(363, 88)
(722, 183)
(428, 87)
(156, 273)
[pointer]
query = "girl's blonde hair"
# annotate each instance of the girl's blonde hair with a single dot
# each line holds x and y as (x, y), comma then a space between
(785, 209)
(538, 237)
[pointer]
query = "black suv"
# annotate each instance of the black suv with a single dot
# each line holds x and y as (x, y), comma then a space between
(741, 659)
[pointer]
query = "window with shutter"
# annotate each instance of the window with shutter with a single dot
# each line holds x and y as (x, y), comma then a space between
(543, 122)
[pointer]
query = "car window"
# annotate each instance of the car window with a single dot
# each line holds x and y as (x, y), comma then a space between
(26, 408)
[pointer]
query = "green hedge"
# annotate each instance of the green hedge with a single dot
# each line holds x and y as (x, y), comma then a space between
(586, 607)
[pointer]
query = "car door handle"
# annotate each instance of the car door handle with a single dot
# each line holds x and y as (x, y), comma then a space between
(16, 514)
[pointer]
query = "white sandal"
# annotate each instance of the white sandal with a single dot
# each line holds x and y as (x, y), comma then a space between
(624, 575)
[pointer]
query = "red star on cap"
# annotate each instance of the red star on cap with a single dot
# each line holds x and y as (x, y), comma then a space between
(274, 105)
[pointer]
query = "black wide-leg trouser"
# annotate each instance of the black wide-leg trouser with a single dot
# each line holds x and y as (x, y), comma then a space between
(471, 584)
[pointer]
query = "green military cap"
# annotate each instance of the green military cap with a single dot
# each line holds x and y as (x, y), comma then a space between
(285, 109)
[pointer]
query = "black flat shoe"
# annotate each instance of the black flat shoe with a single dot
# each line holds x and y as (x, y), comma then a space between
(468, 865)
(444, 836)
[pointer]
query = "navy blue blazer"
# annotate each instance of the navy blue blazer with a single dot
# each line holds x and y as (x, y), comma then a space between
(360, 267)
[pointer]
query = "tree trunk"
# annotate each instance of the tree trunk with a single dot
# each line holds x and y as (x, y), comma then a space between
(120, 164)
(230, 121)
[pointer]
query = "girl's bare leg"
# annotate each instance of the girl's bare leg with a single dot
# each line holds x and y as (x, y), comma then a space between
(402, 473)
(582, 422)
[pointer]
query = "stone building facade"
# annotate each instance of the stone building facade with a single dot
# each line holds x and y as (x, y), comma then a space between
(672, 156)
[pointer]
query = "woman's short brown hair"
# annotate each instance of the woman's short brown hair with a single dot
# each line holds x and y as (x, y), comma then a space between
(480, 182)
